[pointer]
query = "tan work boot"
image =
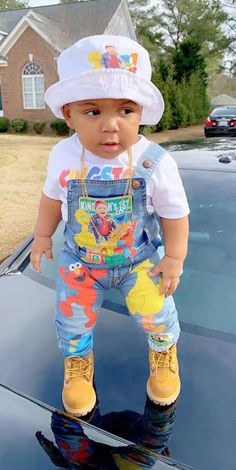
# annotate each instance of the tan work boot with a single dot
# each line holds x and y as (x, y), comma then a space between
(78, 394)
(163, 385)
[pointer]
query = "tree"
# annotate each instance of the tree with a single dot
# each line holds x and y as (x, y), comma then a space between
(162, 25)
(144, 21)
(222, 83)
(200, 20)
(187, 59)
(230, 63)
(13, 4)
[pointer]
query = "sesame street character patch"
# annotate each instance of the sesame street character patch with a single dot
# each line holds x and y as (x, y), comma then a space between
(106, 228)
(111, 59)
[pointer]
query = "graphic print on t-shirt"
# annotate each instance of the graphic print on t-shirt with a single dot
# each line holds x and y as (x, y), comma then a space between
(106, 228)
(105, 173)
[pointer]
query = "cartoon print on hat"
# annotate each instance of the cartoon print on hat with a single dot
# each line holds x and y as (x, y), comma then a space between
(111, 59)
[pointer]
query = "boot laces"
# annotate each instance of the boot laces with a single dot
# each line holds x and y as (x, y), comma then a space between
(164, 360)
(77, 367)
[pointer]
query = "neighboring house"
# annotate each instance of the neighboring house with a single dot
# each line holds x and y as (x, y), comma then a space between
(32, 38)
(223, 100)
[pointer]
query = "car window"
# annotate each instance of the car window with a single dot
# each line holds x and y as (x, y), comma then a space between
(206, 296)
(227, 111)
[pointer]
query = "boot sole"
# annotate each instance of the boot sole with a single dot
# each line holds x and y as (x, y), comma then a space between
(162, 401)
(82, 411)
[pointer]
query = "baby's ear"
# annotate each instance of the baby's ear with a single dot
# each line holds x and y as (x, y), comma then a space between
(67, 114)
(65, 110)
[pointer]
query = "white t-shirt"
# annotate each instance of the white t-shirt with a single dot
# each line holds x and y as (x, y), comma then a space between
(165, 192)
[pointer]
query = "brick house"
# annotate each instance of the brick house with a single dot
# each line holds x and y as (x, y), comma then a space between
(32, 38)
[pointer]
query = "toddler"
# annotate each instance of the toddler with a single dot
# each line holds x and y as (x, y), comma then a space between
(114, 189)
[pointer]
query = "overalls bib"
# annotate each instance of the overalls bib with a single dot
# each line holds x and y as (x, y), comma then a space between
(112, 241)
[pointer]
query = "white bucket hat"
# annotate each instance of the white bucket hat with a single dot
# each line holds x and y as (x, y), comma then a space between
(106, 66)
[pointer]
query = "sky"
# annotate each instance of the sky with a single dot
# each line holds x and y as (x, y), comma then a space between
(37, 3)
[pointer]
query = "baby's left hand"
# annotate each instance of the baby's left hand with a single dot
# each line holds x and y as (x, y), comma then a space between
(170, 269)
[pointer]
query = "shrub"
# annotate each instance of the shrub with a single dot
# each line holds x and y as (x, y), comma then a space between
(4, 124)
(191, 118)
(166, 119)
(59, 126)
(38, 126)
(19, 125)
(145, 130)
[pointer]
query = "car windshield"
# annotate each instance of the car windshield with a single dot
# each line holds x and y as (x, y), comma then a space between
(223, 111)
(206, 295)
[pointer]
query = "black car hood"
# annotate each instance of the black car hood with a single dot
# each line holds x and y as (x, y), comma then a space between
(36, 436)
(204, 428)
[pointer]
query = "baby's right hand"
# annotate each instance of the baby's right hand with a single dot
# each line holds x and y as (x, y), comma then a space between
(40, 246)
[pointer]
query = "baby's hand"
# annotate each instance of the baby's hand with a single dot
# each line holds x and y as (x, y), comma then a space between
(170, 269)
(40, 246)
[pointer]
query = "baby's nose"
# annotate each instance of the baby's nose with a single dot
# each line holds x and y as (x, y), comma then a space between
(110, 124)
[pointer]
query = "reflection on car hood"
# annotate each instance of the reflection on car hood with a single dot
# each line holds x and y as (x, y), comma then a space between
(204, 155)
(222, 144)
(34, 435)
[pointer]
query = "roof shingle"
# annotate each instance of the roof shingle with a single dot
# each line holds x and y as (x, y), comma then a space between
(65, 23)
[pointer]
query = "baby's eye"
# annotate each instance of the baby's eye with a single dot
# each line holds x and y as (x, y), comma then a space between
(93, 112)
(126, 111)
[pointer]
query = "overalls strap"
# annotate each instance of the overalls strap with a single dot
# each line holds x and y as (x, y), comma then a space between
(149, 161)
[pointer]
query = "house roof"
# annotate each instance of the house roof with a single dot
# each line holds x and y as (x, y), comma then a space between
(62, 24)
(223, 99)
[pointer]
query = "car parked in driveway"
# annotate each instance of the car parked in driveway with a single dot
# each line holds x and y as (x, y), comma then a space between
(203, 434)
(221, 121)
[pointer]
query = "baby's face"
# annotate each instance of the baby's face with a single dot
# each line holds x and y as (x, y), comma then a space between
(102, 210)
(105, 127)
(111, 50)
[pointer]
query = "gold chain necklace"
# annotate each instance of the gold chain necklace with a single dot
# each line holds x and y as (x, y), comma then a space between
(128, 187)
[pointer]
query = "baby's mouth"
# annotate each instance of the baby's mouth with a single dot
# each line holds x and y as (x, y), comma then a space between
(110, 143)
(110, 146)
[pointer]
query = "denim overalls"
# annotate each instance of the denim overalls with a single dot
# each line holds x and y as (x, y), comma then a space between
(86, 274)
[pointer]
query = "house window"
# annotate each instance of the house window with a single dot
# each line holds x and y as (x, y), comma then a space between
(33, 86)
